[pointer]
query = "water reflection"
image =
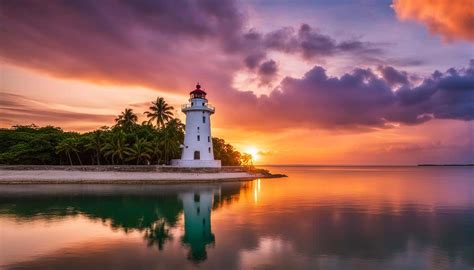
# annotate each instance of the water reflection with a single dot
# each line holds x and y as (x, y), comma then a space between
(382, 219)
(150, 210)
(197, 222)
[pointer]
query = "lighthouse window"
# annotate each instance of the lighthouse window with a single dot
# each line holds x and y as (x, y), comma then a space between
(208, 138)
(199, 138)
(192, 103)
(198, 128)
(209, 149)
(204, 119)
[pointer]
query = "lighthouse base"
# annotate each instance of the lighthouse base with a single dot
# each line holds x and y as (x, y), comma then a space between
(196, 163)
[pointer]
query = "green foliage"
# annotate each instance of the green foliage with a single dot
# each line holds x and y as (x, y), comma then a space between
(115, 147)
(125, 143)
(31, 144)
(160, 112)
(141, 150)
(226, 153)
(69, 146)
(126, 121)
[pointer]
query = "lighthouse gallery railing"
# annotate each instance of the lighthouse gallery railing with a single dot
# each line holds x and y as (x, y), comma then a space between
(188, 106)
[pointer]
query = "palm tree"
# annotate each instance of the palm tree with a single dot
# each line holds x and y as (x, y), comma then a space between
(140, 150)
(68, 146)
(126, 120)
(156, 145)
(172, 136)
(116, 147)
(160, 112)
(95, 142)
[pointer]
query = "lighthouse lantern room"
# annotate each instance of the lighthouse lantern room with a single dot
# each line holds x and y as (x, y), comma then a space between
(197, 148)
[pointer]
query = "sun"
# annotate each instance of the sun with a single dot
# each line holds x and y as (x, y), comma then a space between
(253, 151)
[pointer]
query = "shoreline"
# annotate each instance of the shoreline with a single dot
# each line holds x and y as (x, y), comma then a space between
(10, 175)
(113, 177)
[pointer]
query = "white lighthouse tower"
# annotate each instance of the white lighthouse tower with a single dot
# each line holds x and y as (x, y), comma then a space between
(197, 148)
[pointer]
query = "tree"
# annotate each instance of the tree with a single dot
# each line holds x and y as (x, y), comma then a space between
(160, 112)
(126, 120)
(115, 147)
(68, 146)
(171, 137)
(226, 153)
(140, 150)
(156, 145)
(246, 159)
(95, 143)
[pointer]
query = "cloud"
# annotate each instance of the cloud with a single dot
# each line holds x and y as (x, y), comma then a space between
(253, 60)
(311, 44)
(147, 43)
(136, 43)
(453, 20)
(393, 76)
(141, 43)
(267, 72)
(20, 110)
(359, 100)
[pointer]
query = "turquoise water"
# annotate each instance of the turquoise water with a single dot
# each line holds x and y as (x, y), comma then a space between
(317, 218)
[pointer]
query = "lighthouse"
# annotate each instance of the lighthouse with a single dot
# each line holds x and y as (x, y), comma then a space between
(197, 148)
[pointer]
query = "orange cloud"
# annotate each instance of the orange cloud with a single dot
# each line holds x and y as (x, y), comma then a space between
(453, 20)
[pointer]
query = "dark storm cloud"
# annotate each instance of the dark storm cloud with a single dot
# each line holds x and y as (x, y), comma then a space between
(362, 100)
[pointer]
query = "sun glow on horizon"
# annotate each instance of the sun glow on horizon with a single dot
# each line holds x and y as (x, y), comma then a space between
(253, 151)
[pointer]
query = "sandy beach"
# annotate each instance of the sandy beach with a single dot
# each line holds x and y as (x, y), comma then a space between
(108, 177)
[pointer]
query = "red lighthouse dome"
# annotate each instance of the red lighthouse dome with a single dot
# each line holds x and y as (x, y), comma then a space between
(198, 93)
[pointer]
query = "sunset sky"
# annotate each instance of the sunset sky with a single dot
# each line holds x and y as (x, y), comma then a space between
(295, 82)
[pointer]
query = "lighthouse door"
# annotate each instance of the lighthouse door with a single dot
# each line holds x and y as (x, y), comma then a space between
(197, 155)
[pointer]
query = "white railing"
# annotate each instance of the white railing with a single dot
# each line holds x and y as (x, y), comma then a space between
(188, 106)
(211, 107)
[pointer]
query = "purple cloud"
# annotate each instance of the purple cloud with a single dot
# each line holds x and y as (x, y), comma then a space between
(311, 44)
(393, 76)
(267, 71)
(138, 43)
(360, 100)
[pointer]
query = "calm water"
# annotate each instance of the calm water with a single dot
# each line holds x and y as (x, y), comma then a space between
(318, 218)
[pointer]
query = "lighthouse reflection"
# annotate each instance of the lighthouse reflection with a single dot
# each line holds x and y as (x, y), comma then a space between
(197, 206)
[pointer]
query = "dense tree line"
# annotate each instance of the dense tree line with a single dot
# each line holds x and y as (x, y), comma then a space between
(155, 141)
